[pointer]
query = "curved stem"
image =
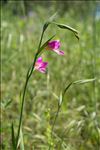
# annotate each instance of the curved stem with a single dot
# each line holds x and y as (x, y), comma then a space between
(59, 107)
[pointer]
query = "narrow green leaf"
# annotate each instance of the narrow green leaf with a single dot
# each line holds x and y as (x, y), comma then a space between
(60, 98)
(21, 140)
(8, 103)
(63, 93)
(68, 86)
(13, 137)
(63, 26)
(77, 36)
(76, 82)
(84, 81)
(52, 17)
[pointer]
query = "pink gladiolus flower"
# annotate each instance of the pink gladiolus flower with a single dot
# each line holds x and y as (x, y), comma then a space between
(54, 46)
(40, 65)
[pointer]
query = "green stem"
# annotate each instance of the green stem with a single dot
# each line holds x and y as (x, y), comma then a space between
(58, 110)
(21, 114)
(29, 73)
(56, 116)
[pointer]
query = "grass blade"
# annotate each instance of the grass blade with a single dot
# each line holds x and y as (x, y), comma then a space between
(21, 140)
(75, 82)
(84, 81)
(13, 137)
(63, 26)
(8, 103)
(52, 17)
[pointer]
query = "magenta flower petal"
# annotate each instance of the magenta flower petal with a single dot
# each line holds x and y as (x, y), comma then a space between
(40, 65)
(59, 52)
(54, 44)
(44, 65)
(42, 70)
(39, 60)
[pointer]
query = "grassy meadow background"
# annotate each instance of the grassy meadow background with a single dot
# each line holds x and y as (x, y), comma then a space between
(78, 124)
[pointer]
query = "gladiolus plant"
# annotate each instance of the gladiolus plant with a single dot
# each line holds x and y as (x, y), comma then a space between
(39, 65)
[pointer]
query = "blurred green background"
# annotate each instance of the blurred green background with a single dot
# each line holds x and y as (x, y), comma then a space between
(78, 124)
